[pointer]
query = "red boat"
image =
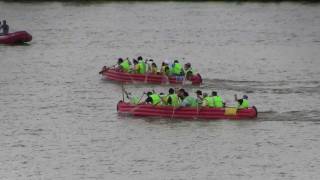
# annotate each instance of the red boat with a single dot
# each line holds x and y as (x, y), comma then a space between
(15, 38)
(120, 76)
(186, 112)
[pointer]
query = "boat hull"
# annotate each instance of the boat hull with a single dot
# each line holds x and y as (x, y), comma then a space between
(15, 38)
(184, 112)
(119, 76)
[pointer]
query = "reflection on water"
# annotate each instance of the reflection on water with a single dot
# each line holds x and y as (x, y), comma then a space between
(59, 119)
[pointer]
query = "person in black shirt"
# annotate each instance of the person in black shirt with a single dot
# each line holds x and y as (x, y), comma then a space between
(4, 27)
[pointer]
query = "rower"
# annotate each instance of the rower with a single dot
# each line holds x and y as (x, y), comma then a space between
(172, 98)
(217, 100)
(165, 70)
(153, 98)
(242, 103)
(176, 69)
(154, 68)
(124, 65)
(187, 101)
(142, 66)
(164, 98)
(135, 68)
(208, 101)
(149, 65)
(199, 96)
(133, 99)
(188, 70)
(4, 27)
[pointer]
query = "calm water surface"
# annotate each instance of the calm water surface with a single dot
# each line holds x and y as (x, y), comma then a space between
(58, 117)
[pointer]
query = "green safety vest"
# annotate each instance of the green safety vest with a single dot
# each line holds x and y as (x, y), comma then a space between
(134, 100)
(244, 105)
(125, 65)
(174, 100)
(155, 99)
(217, 101)
(142, 67)
(176, 69)
(192, 101)
(210, 101)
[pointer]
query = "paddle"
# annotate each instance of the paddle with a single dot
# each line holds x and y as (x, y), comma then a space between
(141, 97)
(122, 89)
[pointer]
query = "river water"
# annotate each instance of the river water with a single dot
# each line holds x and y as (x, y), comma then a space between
(58, 118)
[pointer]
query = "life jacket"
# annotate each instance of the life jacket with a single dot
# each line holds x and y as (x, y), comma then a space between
(134, 100)
(174, 100)
(192, 102)
(142, 67)
(125, 66)
(136, 68)
(164, 100)
(154, 70)
(218, 103)
(176, 69)
(210, 101)
(165, 70)
(189, 73)
(155, 99)
(245, 104)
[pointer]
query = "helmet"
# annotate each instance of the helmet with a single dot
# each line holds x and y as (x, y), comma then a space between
(245, 97)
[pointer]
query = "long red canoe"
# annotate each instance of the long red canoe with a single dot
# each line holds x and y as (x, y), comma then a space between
(186, 112)
(116, 75)
(15, 38)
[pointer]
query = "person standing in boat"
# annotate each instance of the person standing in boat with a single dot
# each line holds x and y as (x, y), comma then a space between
(242, 103)
(4, 27)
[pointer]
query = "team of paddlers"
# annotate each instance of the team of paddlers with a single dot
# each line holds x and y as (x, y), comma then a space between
(143, 66)
(181, 98)
(175, 97)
